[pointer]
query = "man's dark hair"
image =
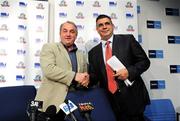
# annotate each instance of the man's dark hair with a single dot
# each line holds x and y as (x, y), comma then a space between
(102, 16)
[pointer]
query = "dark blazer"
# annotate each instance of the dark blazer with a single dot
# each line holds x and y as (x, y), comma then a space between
(132, 55)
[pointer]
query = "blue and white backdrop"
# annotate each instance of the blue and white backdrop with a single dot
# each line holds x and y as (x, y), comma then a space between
(23, 30)
(25, 27)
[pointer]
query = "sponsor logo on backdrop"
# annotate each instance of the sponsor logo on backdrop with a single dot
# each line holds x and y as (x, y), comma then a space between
(3, 39)
(113, 16)
(153, 24)
(22, 16)
(112, 4)
(38, 40)
(96, 40)
(3, 27)
(37, 53)
(155, 53)
(2, 78)
(140, 38)
(5, 4)
(4, 14)
(62, 15)
(22, 27)
(95, 15)
(129, 5)
(80, 27)
(80, 40)
(40, 6)
(37, 78)
(174, 68)
(22, 4)
(138, 9)
(36, 65)
(3, 64)
(130, 28)
(21, 65)
(91, 43)
(21, 52)
(129, 15)
(3, 52)
(80, 15)
(96, 4)
(20, 77)
(79, 3)
(40, 17)
(63, 3)
(174, 39)
(157, 84)
(22, 40)
(172, 11)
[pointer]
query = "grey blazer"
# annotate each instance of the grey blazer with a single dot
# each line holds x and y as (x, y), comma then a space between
(57, 74)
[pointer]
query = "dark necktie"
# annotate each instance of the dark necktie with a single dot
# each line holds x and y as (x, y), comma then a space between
(112, 86)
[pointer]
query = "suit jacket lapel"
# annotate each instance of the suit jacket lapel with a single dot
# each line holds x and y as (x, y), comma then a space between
(101, 60)
(114, 46)
(117, 46)
(78, 61)
(64, 52)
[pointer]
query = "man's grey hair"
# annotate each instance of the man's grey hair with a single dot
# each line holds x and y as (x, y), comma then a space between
(70, 22)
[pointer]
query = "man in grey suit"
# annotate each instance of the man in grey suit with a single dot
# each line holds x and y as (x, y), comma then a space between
(128, 101)
(64, 68)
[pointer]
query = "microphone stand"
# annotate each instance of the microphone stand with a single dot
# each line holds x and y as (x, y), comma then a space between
(33, 113)
(72, 115)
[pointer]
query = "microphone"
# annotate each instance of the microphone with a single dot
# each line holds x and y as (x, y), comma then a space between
(48, 114)
(51, 111)
(33, 109)
(85, 109)
(68, 107)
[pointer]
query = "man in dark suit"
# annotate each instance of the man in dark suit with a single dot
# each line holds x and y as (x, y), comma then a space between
(128, 101)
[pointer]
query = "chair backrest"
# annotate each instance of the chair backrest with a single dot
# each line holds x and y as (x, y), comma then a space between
(14, 101)
(160, 110)
(97, 96)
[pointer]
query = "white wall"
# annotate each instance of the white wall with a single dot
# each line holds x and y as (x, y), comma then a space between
(156, 39)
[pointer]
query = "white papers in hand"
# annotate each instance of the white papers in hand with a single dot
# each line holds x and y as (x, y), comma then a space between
(116, 65)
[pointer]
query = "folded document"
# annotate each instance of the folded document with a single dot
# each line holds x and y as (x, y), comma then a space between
(116, 65)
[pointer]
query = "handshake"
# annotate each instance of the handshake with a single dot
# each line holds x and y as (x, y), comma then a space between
(82, 79)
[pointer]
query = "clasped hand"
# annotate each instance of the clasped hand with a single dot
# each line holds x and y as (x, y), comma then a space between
(122, 74)
(82, 79)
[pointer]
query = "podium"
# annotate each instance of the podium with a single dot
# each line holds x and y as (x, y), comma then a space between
(97, 96)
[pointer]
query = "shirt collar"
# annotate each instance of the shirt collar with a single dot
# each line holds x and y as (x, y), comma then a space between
(104, 41)
(74, 48)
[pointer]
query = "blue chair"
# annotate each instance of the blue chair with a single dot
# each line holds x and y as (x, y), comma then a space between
(102, 110)
(14, 101)
(160, 110)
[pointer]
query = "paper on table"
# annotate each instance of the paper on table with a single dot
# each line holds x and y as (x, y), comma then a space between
(116, 65)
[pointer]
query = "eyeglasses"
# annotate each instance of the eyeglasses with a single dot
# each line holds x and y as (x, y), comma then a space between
(104, 24)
